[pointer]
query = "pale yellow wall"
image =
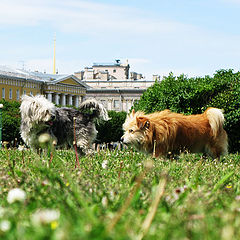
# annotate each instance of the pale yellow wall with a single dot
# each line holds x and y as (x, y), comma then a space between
(70, 81)
(67, 86)
(14, 85)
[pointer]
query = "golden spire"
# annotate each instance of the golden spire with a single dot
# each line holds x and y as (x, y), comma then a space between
(54, 55)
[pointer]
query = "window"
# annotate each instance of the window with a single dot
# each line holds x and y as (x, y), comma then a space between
(18, 94)
(24, 92)
(116, 103)
(3, 92)
(10, 93)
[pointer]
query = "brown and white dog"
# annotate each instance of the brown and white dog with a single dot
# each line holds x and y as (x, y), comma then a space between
(166, 132)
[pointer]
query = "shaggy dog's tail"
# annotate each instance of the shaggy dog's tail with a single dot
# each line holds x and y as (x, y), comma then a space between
(95, 109)
(216, 120)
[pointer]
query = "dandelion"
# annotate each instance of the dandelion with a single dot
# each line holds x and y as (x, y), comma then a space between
(5, 225)
(44, 138)
(104, 201)
(104, 164)
(21, 148)
(67, 184)
(54, 225)
(46, 216)
(16, 194)
(228, 186)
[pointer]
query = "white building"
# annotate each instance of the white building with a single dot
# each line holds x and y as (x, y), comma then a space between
(113, 85)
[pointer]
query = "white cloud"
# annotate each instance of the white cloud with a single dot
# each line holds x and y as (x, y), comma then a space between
(83, 16)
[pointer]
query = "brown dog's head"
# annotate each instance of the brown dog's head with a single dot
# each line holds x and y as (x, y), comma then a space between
(137, 130)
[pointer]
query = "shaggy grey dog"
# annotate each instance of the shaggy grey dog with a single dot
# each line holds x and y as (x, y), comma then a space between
(43, 122)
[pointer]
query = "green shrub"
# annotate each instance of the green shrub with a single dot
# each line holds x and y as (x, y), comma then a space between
(111, 131)
(10, 121)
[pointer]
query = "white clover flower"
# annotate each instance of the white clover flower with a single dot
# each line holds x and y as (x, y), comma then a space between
(104, 201)
(45, 216)
(20, 147)
(16, 194)
(104, 164)
(5, 225)
(44, 138)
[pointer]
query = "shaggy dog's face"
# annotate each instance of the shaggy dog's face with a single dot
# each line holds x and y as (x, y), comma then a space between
(137, 129)
(39, 111)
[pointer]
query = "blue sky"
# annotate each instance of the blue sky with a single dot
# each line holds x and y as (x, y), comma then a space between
(194, 37)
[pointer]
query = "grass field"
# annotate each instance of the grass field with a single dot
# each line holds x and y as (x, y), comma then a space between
(119, 195)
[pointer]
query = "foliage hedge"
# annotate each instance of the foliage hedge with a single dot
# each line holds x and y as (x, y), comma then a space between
(193, 95)
(111, 131)
(10, 121)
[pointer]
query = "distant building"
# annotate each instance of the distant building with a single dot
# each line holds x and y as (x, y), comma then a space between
(113, 85)
(110, 83)
(60, 89)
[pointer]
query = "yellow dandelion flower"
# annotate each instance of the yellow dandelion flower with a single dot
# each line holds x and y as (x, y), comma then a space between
(228, 186)
(54, 225)
(67, 184)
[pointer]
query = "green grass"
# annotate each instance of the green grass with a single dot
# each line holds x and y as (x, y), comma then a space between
(110, 194)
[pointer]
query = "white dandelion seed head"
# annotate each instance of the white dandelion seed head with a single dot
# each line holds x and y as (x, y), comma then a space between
(44, 138)
(45, 216)
(104, 201)
(16, 194)
(5, 225)
(104, 164)
(20, 147)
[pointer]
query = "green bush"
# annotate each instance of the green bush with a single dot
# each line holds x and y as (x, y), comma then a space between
(111, 131)
(10, 121)
(193, 95)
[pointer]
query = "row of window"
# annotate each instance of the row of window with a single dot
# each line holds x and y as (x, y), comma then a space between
(11, 93)
(66, 89)
(19, 83)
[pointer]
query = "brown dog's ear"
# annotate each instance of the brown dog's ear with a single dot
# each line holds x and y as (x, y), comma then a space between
(143, 122)
(133, 112)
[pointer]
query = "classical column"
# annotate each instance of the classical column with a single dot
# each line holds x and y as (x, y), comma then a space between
(124, 106)
(76, 101)
(120, 102)
(109, 104)
(49, 97)
(70, 100)
(63, 100)
(57, 98)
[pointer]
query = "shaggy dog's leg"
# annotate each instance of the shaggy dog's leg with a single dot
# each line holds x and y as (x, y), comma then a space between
(84, 139)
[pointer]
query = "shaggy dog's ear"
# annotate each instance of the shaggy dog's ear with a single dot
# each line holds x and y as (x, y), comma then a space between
(143, 123)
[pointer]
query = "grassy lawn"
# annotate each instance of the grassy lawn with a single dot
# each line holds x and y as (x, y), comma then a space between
(119, 195)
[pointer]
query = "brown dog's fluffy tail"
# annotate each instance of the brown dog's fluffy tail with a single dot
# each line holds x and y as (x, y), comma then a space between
(216, 120)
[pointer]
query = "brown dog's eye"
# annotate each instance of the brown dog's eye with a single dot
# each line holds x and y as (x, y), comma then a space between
(130, 130)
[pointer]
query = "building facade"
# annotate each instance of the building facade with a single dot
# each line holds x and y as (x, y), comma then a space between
(60, 89)
(113, 85)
